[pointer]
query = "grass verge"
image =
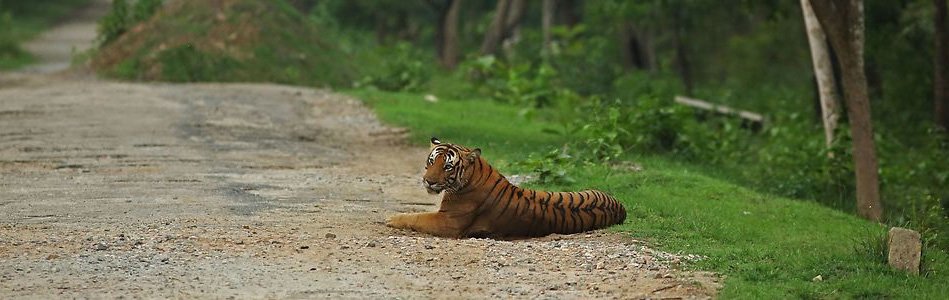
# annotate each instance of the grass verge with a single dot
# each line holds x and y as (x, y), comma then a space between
(766, 246)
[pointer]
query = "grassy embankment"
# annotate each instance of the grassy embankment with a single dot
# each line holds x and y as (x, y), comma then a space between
(233, 40)
(21, 21)
(766, 246)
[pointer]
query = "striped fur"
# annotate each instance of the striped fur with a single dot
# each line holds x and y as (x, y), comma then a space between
(479, 202)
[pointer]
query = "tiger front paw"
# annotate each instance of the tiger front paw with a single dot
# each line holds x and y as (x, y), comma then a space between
(397, 221)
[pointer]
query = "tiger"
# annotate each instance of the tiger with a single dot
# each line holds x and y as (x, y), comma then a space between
(479, 202)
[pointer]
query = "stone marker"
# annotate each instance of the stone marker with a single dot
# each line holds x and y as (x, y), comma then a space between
(904, 248)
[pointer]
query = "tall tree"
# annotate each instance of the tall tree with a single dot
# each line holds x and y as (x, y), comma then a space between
(570, 12)
(512, 23)
(823, 72)
(547, 22)
(446, 35)
(843, 21)
(514, 15)
(635, 49)
(495, 31)
(940, 68)
(683, 64)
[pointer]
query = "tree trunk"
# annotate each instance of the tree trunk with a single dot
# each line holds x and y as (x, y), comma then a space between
(514, 15)
(940, 70)
(569, 12)
(634, 48)
(844, 24)
(446, 34)
(682, 57)
(495, 31)
(512, 24)
(547, 22)
(449, 28)
(823, 72)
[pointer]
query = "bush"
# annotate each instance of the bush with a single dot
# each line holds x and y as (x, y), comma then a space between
(550, 167)
(187, 64)
(121, 18)
(403, 70)
(9, 49)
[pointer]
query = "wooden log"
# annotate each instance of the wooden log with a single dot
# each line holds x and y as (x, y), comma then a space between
(755, 120)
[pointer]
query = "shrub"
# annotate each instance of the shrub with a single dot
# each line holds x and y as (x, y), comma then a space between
(403, 70)
(187, 64)
(121, 18)
(9, 49)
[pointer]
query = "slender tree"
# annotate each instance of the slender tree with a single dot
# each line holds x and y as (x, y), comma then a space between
(495, 31)
(940, 68)
(549, 8)
(634, 47)
(843, 21)
(683, 64)
(823, 72)
(514, 15)
(450, 51)
(446, 35)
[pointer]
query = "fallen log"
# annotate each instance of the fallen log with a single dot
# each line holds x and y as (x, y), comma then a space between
(750, 119)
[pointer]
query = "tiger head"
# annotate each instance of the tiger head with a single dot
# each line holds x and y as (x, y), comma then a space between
(447, 167)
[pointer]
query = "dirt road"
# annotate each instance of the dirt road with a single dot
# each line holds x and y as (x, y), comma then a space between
(255, 191)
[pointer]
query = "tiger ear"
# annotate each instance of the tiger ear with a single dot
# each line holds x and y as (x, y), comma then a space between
(435, 141)
(473, 155)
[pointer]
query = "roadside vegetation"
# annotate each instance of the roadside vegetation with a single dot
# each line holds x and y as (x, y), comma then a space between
(22, 20)
(771, 205)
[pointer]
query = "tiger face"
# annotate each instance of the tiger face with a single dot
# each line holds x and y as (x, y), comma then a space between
(447, 167)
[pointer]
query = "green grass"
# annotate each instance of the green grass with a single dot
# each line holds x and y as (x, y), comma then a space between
(765, 246)
(23, 20)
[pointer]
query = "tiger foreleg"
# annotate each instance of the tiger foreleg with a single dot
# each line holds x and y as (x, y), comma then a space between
(434, 223)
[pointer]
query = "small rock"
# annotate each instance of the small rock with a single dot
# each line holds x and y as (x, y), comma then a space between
(817, 278)
(429, 247)
(904, 249)
(330, 235)
(304, 247)
(52, 257)
(370, 244)
(100, 247)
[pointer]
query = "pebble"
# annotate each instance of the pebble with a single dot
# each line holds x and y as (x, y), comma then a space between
(100, 247)
(330, 235)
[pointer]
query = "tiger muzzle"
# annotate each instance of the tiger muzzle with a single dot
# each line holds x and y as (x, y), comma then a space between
(432, 187)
